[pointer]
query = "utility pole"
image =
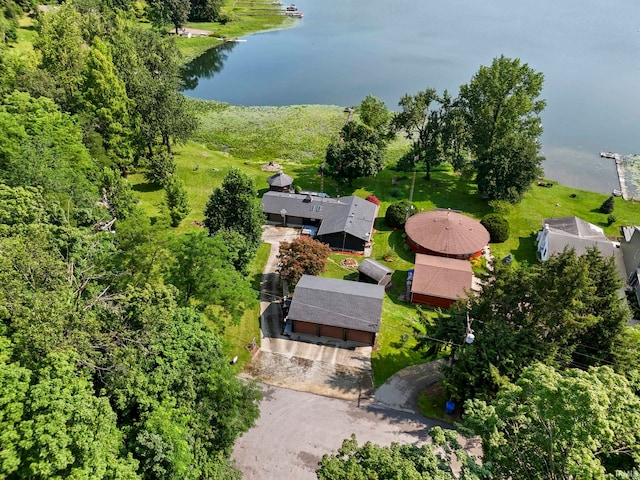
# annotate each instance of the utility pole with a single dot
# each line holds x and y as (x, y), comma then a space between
(413, 183)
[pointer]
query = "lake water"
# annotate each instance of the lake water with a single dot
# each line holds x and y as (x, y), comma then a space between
(342, 50)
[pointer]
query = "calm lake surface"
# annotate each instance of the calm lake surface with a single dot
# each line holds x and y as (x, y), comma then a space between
(342, 50)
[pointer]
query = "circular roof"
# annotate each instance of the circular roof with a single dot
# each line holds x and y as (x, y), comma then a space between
(447, 232)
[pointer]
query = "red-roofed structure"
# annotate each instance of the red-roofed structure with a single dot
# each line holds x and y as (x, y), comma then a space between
(440, 281)
(446, 233)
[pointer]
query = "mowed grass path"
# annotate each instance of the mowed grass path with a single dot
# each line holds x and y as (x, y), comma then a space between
(296, 138)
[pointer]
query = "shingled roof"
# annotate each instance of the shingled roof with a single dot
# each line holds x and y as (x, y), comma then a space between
(447, 232)
(353, 215)
(577, 233)
(339, 303)
(280, 179)
(441, 276)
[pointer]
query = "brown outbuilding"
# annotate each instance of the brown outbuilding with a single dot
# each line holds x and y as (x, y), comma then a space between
(446, 233)
(440, 281)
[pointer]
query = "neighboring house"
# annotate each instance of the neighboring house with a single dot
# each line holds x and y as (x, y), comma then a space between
(280, 182)
(370, 271)
(440, 281)
(446, 233)
(630, 247)
(335, 308)
(560, 233)
(344, 224)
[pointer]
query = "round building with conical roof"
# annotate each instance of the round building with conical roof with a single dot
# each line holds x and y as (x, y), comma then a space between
(446, 233)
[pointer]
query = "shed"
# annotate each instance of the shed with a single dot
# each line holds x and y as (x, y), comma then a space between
(370, 271)
(335, 308)
(440, 281)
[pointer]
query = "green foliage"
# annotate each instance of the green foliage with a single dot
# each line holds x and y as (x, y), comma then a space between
(168, 12)
(203, 273)
(397, 213)
(611, 219)
(424, 126)
(161, 166)
(608, 205)
(561, 311)
(302, 256)
(552, 424)
(117, 196)
(497, 226)
(107, 105)
(357, 153)
(205, 10)
(177, 200)
(404, 461)
(234, 206)
(375, 115)
(502, 110)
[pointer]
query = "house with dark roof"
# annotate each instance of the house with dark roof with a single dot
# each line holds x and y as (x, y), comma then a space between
(440, 281)
(344, 224)
(334, 308)
(370, 271)
(571, 232)
(280, 182)
(630, 246)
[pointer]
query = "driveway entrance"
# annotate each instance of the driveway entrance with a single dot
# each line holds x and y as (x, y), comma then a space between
(307, 363)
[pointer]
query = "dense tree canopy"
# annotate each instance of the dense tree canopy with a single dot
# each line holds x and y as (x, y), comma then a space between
(502, 111)
(564, 311)
(357, 153)
(234, 206)
(560, 425)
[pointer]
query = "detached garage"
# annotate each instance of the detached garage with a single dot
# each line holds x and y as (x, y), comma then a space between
(440, 281)
(340, 309)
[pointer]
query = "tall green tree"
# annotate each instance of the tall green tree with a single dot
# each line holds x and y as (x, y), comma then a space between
(357, 153)
(553, 312)
(234, 206)
(375, 115)
(107, 106)
(64, 52)
(177, 200)
(205, 10)
(423, 118)
(169, 12)
(502, 110)
(560, 425)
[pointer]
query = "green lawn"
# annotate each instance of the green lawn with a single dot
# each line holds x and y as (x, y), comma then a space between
(296, 137)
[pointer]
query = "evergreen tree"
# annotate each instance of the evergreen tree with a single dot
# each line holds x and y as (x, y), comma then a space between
(177, 200)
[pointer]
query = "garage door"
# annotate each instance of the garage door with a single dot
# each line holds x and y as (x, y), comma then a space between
(305, 327)
(360, 336)
(333, 332)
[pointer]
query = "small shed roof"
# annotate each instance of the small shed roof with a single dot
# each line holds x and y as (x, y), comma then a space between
(441, 277)
(447, 232)
(280, 179)
(340, 303)
(373, 269)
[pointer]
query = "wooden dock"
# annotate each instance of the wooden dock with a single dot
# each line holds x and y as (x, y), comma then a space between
(622, 192)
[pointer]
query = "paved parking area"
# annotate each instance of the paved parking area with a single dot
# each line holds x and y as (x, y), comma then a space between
(295, 429)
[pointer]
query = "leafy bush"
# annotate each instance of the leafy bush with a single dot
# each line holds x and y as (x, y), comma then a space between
(395, 192)
(608, 205)
(397, 213)
(611, 219)
(498, 227)
(373, 199)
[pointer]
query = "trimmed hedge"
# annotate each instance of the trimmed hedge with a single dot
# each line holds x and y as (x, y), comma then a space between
(497, 226)
(397, 213)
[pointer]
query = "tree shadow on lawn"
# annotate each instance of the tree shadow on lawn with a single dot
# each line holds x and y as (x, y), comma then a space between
(526, 251)
(398, 244)
(146, 187)
(387, 364)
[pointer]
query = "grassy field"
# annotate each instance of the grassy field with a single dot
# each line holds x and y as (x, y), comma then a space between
(296, 138)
